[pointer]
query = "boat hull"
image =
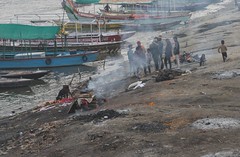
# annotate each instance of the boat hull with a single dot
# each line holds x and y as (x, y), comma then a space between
(48, 62)
(14, 83)
(27, 74)
(103, 47)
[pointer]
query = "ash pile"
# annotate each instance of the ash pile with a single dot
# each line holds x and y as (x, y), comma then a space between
(168, 74)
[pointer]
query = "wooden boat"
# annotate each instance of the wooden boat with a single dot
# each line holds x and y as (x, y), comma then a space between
(139, 14)
(26, 74)
(40, 60)
(13, 56)
(75, 15)
(145, 13)
(14, 83)
(28, 39)
(52, 48)
(180, 5)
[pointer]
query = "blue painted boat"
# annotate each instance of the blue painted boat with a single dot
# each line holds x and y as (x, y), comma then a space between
(40, 60)
(26, 57)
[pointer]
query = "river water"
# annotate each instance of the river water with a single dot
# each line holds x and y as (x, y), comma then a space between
(18, 100)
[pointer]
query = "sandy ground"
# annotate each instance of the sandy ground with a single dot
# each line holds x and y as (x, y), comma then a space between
(152, 121)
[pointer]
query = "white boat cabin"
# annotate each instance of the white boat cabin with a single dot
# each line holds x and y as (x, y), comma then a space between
(30, 55)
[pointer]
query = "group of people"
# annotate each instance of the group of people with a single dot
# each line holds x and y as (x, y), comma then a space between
(158, 53)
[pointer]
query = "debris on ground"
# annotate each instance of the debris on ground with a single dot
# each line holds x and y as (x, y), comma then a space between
(216, 123)
(233, 153)
(99, 116)
(136, 85)
(226, 74)
(168, 74)
(149, 127)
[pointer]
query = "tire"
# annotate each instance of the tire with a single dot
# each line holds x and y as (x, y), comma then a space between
(84, 58)
(48, 61)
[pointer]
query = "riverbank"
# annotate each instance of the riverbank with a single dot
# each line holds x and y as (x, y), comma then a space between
(156, 120)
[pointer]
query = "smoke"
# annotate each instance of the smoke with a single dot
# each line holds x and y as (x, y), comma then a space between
(111, 81)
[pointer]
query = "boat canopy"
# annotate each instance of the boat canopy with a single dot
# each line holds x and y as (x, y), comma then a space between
(120, 2)
(27, 32)
(86, 1)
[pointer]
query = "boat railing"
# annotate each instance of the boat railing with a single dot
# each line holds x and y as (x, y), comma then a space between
(37, 19)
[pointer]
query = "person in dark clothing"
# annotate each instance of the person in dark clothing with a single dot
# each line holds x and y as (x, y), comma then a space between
(149, 59)
(131, 59)
(168, 54)
(63, 93)
(154, 49)
(140, 54)
(107, 8)
(176, 51)
(160, 45)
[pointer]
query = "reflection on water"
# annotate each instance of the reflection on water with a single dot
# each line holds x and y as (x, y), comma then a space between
(42, 90)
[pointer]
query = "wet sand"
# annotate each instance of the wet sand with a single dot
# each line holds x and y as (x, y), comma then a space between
(155, 120)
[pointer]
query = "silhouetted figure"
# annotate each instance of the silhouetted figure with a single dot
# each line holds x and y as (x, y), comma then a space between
(168, 54)
(63, 93)
(140, 54)
(107, 8)
(154, 48)
(202, 60)
(160, 44)
(131, 59)
(149, 59)
(176, 51)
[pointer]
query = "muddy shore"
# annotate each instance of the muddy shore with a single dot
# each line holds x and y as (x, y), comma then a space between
(156, 120)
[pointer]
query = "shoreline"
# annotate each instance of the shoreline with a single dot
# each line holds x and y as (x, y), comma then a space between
(156, 119)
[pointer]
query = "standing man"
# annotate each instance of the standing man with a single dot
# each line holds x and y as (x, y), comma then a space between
(160, 45)
(154, 49)
(168, 54)
(149, 59)
(131, 59)
(223, 49)
(176, 51)
(140, 54)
